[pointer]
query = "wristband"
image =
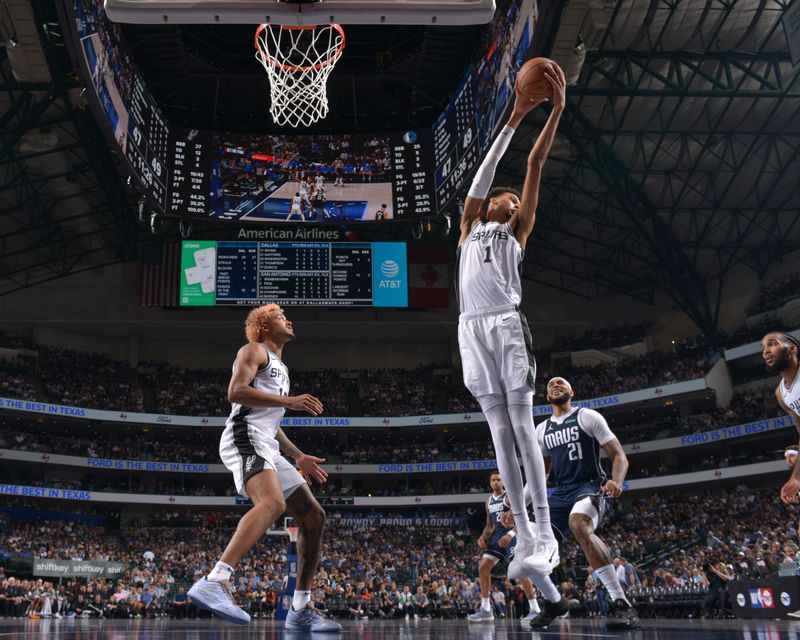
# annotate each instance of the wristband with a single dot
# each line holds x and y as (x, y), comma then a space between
(511, 534)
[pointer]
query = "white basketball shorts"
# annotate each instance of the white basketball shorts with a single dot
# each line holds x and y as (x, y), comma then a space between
(496, 351)
(246, 450)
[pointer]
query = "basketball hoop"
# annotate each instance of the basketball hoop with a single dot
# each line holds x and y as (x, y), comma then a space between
(298, 61)
(292, 528)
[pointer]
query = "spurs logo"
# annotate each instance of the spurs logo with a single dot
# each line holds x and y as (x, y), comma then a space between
(248, 464)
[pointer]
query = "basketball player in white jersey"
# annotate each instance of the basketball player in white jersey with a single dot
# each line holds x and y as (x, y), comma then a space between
(302, 189)
(780, 354)
(250, 447)
(319, 182)
(297, 208)
(494, 338)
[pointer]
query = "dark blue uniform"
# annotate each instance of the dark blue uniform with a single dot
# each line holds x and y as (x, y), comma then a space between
(574, 451)
(497, 507)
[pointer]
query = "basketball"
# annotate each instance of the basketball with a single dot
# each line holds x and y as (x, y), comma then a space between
(531, 82)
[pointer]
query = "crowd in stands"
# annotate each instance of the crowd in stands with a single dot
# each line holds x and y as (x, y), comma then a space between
(775, 293)
(89, 380)
(357, 447)
(93, 381)
(16, 380)
(368, 563)
(605, 338)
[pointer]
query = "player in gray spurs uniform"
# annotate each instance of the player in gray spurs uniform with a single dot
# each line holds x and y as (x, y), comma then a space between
(493, 336)
(250, 447)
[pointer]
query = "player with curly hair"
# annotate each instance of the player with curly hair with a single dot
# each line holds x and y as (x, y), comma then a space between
(250, 447)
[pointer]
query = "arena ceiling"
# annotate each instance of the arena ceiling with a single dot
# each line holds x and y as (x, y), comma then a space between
(676, 159)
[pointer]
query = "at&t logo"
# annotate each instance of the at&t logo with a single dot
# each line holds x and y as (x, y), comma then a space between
(389, 269)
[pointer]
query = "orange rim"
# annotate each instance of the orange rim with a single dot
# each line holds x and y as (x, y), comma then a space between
(294, 68)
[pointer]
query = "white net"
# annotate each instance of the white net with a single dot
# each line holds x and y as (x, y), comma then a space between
(298, 61)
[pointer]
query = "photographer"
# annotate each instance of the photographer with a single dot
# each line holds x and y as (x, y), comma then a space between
(718, 577)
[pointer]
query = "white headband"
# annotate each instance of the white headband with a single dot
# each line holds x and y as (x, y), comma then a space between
(564, 380)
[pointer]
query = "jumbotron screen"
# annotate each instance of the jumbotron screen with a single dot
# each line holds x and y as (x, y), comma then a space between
(349, 274)
(322, 178)
(341, 178)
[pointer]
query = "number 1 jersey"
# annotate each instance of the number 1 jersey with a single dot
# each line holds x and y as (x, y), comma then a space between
(488, 273)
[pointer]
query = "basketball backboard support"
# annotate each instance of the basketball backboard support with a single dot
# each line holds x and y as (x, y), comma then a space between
(391, 12)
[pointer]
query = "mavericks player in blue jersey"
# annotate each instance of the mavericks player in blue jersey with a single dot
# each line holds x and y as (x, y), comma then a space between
(497, 543)
(571, 440)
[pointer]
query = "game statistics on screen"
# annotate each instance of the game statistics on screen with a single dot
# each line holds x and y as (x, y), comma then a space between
(355, 274)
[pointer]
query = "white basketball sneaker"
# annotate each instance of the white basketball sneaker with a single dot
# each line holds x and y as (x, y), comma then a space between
(544, 558)
(218, 598)
(522, 550)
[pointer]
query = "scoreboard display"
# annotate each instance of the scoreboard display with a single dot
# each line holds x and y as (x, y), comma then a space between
(294, 273)
(455, 142)
(390, 176)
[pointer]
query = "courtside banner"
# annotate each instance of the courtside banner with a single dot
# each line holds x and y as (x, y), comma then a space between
(642, 395)
(695, 478)
(46, 567)
(387, 468)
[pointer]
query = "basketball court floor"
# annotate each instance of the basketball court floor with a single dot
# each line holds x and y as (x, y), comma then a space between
(398, 629)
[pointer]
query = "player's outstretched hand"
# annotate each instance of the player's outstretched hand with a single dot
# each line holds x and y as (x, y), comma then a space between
(309, 465)
(789, 491)
(524, 105)
(555, 76)
(507, 519)
(307, 403)
(612, 489)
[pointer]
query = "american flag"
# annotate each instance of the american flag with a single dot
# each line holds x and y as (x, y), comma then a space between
(160, 275)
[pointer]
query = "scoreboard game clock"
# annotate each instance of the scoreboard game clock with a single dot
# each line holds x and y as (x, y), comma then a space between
(294, 273)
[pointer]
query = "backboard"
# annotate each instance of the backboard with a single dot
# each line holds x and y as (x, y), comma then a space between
(397, 12)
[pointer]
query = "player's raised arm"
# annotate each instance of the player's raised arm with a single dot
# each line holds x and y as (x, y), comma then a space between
(525, 217)
(482, 182)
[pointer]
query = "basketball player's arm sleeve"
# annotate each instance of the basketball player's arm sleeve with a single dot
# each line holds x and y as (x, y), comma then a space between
(484, 176)
(526, 491)
(482, 181)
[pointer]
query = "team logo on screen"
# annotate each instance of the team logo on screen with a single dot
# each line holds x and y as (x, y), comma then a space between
(389, 268)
